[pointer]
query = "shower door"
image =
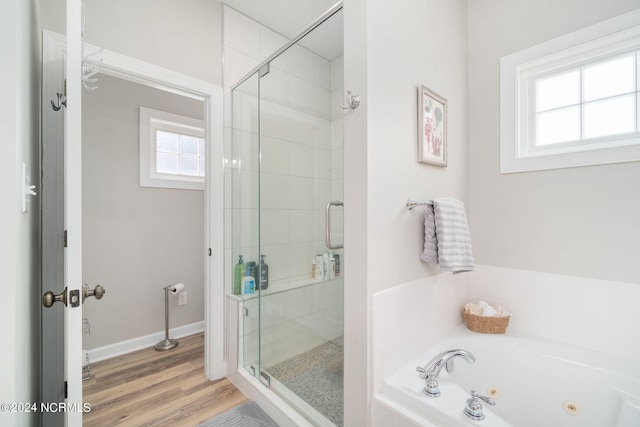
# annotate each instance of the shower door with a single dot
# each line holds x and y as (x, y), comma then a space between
(300, 174)
(286, 169)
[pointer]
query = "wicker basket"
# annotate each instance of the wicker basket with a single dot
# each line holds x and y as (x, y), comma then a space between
(486, 325)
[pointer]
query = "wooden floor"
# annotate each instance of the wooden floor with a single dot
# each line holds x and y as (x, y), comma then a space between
(152, 388)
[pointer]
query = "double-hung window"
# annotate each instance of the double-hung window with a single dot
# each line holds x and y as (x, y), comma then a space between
(573, 101)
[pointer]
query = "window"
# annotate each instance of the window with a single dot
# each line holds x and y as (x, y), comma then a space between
(172, 150)
(573, 101)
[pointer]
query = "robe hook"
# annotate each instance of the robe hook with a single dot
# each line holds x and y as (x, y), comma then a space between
(60, 104)
(353, 101)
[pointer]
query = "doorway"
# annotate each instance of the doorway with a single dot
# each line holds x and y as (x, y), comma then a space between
(137, 239)
(210, 95)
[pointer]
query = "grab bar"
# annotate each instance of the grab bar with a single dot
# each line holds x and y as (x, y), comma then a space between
(327, 225)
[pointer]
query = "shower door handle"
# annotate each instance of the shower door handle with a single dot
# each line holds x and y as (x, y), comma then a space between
(327, 225)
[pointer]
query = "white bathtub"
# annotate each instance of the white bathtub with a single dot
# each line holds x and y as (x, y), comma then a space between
(538, 383)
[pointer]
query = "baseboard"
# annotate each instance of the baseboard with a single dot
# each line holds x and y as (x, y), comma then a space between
(124, 347)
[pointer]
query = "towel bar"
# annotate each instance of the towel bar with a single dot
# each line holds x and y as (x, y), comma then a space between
(414, 203)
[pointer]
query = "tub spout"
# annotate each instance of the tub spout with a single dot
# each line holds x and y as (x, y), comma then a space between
(431, 371)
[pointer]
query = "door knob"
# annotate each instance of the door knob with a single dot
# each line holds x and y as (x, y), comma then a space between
(97, 292)
(49, 298)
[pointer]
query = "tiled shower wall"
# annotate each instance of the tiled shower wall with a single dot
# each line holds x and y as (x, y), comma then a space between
(301, 151)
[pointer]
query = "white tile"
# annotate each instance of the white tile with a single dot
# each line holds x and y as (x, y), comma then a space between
(309, 98)
(337, 134)
(327, 324)
(241, 33)
(309, 161)
(228, 270)
(275, 191)
(245, 110)
(244, 189)
(337, 189)
(292, 338)
(274, 155)
(245, 227)
(338, 98)
(274, 227)
(237, 65)
(274, 87)
(244, 150)
(297, 61)
(306, 225)
(270, 41)
(228, 189)
(284, 306)
(228, 111)
(337, 72)
(322, 72)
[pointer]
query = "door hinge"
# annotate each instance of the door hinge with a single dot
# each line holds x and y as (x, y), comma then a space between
(264, 70)
(66, 390)
(64, 238)
(265, 378)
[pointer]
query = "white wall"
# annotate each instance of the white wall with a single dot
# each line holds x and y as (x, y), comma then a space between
(579, 222)
(408, 45)
(19, 256)
(180, 35)
(136, 240)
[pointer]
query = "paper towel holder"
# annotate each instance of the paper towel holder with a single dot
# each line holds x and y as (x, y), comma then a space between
(166, 343)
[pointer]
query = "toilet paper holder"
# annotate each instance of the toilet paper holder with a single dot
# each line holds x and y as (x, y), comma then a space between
(166, 343)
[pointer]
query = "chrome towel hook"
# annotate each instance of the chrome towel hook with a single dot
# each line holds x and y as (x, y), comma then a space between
(353, 101)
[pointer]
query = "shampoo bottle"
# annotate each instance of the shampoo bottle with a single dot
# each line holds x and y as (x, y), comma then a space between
(326, 266)
(238, 274)
(319, 269)
(264, 273)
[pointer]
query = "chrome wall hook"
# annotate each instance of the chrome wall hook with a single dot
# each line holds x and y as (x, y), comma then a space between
(62, 101)
(353, 101)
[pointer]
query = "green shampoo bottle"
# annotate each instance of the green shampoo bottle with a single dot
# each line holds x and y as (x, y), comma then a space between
(238, 274)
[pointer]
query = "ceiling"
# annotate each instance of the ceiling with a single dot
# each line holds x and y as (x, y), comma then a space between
(290, 17)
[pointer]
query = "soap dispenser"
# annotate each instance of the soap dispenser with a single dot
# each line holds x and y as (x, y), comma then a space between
(264, 273)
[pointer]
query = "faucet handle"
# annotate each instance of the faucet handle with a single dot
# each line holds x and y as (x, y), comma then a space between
(473, 409)
(423, 372)
(475, 394)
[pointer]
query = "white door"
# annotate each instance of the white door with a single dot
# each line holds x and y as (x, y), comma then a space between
(73, 215)
(62, 291)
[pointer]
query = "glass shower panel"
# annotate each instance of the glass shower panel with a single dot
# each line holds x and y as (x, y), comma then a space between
(245, 213)
(300, 173)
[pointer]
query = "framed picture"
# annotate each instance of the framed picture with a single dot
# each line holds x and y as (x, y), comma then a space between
(432, 128)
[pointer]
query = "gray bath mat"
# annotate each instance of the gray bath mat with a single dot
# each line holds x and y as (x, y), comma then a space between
(246, 415)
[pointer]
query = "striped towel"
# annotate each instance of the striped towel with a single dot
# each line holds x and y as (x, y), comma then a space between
(447, 241)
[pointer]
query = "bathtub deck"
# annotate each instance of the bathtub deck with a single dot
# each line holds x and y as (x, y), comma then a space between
(148, 387)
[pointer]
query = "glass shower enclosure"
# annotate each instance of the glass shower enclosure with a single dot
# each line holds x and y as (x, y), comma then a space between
(287, 227)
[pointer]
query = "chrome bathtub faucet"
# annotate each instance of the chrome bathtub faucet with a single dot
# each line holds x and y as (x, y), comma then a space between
(431, 371)
(473, 409)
